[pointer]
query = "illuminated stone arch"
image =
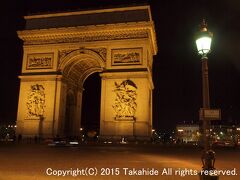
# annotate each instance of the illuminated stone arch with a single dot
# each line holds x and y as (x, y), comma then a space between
(62, 49)
(79, 64)
(75, 67)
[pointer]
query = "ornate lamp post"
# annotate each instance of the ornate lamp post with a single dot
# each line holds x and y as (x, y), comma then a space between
(203, 42)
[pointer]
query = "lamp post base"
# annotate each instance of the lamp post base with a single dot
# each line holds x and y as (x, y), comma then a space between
(208, 159)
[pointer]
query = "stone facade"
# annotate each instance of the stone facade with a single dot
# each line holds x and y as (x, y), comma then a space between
(57, 61)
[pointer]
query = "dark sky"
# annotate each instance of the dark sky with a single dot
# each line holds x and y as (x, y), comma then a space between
(177, 67)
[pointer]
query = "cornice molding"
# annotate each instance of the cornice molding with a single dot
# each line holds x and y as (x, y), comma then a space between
(133, 30)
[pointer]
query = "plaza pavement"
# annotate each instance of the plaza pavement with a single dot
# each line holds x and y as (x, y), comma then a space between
(31, 161)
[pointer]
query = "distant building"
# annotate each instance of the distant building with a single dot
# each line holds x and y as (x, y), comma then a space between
(225, 133)
(7, 130)
(228, 134)
(187, 133)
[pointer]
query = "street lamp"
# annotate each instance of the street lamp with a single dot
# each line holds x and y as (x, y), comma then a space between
(203, 42)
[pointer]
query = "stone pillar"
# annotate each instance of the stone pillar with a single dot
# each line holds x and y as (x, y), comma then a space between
(78, 110)
(38, 107)
(126, 105)
(58, 106)
(62, 109)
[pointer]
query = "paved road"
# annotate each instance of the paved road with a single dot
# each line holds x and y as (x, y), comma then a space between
(40, 162)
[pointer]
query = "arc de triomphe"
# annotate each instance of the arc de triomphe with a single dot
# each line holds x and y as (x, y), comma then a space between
(62, 49)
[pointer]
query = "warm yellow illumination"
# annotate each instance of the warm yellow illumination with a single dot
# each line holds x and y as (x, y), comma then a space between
(180, 130)
(126, 93)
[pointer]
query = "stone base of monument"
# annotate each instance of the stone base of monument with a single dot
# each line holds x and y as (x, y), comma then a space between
(127, 139)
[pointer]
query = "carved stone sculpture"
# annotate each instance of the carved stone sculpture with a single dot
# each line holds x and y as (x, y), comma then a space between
(125, 103)
(36, 101)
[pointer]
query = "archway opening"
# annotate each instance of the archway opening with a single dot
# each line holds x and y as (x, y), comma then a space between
(80, 70)
(90, 116)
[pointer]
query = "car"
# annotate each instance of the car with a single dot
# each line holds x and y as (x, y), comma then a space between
(218, 144)
(73, 142)
(229, 144)
(58, 142)
(223, 144)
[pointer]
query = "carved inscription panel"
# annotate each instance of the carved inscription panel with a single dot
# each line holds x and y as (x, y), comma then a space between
(127, 56)
(40, 61)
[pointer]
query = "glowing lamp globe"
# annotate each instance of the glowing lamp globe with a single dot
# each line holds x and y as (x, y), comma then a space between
(204, 40)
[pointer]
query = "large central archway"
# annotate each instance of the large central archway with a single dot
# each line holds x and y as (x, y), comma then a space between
(91, 101)
(75, 67)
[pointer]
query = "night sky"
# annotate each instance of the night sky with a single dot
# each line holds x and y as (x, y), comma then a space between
(177, 67)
